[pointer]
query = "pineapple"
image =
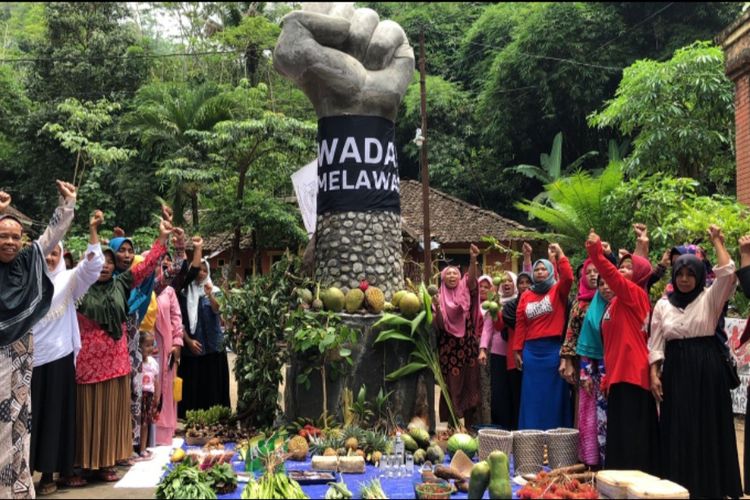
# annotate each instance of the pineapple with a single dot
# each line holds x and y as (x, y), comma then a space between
(329, 439)
(350, 433)
(375, 441)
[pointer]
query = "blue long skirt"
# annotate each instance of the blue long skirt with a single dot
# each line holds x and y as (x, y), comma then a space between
(545, 397)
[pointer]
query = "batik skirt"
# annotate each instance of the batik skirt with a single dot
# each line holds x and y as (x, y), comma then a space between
(16, 365)
(460, 368)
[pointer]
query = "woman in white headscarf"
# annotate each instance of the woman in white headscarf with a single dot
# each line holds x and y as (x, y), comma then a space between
(204, 367)
(57, 341)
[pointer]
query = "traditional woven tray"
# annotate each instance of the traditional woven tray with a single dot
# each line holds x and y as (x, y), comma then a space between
(562, 447)
(494, 439)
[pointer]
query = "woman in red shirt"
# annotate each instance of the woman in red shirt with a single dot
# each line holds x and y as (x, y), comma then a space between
(632, 428)
(540, 320)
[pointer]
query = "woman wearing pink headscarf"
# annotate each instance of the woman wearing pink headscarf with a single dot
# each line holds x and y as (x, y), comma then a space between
(457, 345)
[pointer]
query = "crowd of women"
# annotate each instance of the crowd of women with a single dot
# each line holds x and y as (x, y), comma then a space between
(647, 385)
(89, 352)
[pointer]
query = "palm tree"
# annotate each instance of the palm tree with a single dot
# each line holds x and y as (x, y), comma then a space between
(166, 120)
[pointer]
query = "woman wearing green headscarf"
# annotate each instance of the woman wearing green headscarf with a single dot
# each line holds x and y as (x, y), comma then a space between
(25, 297)
(103, 429)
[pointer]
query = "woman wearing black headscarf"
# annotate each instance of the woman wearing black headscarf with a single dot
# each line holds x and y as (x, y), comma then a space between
(699, 449)
(25, 297)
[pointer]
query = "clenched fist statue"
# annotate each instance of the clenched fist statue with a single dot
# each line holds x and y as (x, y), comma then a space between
(345, 60)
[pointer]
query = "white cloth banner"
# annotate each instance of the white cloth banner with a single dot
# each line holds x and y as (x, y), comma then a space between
(734, 328)
(305, 182)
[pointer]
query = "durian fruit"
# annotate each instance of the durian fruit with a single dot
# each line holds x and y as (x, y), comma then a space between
(329, 452)
(388, 307)
(375, 299)
(410, 305)
(305, 295)
(432, 290)
(334, 299)
(397, 297)
(354, 300)
(298, 448)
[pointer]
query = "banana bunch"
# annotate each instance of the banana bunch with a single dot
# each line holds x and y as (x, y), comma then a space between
(273, 486)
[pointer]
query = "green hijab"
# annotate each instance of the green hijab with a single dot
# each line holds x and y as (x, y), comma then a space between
(107, 302)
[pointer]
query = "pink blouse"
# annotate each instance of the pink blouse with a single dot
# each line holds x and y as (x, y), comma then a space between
(491, 336)
(698, 319)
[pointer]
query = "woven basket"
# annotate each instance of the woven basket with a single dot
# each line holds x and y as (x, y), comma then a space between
(562, 447)
(494, 439)
(528, 451)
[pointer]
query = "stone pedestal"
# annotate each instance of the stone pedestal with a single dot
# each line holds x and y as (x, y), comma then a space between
(353, 246)
(412, 395)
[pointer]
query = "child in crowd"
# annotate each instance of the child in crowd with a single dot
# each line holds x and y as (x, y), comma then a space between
(151, 391)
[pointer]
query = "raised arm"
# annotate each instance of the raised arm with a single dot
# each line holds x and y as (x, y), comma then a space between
(89, 268)
(725, 283)
(527, 266)
(61, 219)
(617, 282)
(473, 274)
(564, 272)
(195, 264)
(141, 271)
(641, 240)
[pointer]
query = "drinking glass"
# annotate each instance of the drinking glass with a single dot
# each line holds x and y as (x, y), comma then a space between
(399, 464)
(409, 464)
(391, 467)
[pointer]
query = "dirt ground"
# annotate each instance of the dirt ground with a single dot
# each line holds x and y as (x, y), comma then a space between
(107, 490)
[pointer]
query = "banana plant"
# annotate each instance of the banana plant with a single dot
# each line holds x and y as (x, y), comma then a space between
(418, 332)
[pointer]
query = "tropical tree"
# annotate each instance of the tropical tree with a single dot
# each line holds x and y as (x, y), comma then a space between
(256, 152)
(550, 165)
(575, 204)
(680, 114)
(167, 120)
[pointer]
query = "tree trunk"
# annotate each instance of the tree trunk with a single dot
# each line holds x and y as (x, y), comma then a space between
(194, 208)
(238, 226)
(178, 207)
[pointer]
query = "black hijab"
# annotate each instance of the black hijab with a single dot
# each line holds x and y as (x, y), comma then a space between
(25, 293)
(697, 269)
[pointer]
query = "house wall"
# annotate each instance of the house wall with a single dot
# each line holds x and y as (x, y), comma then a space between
(736, 45)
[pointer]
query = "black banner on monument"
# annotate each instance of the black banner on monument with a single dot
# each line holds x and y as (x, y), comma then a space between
(357, 165)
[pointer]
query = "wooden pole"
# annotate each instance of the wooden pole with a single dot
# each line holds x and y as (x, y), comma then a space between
(425, 167)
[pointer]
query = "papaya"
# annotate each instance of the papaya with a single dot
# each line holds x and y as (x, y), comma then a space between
(479, 479)
(499, 485)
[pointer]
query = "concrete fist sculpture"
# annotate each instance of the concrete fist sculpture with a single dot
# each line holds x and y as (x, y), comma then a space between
(355, 70)
(345, 60)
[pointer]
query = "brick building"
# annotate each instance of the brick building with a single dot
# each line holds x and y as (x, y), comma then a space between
(735, 40)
